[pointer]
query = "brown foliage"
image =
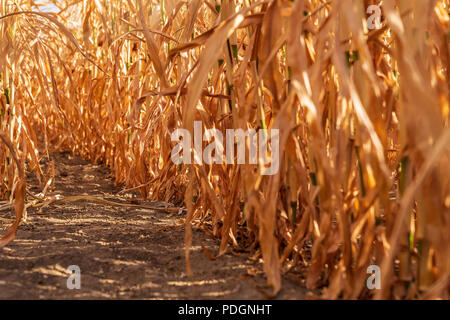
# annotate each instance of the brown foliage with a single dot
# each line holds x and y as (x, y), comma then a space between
(363, 119)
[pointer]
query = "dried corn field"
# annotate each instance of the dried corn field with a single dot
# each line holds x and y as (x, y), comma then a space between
(362, 114)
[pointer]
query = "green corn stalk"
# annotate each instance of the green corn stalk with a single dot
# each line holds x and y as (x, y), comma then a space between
(424, 263)
(6, 93)
(361, 173)
(163, 12)
(407, 240)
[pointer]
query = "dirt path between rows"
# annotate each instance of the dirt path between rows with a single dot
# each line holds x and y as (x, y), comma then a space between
(122, 252)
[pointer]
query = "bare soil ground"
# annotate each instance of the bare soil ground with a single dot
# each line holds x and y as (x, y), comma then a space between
(123, 252)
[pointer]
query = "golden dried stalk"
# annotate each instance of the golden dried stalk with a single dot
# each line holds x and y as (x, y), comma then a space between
(363, 118)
